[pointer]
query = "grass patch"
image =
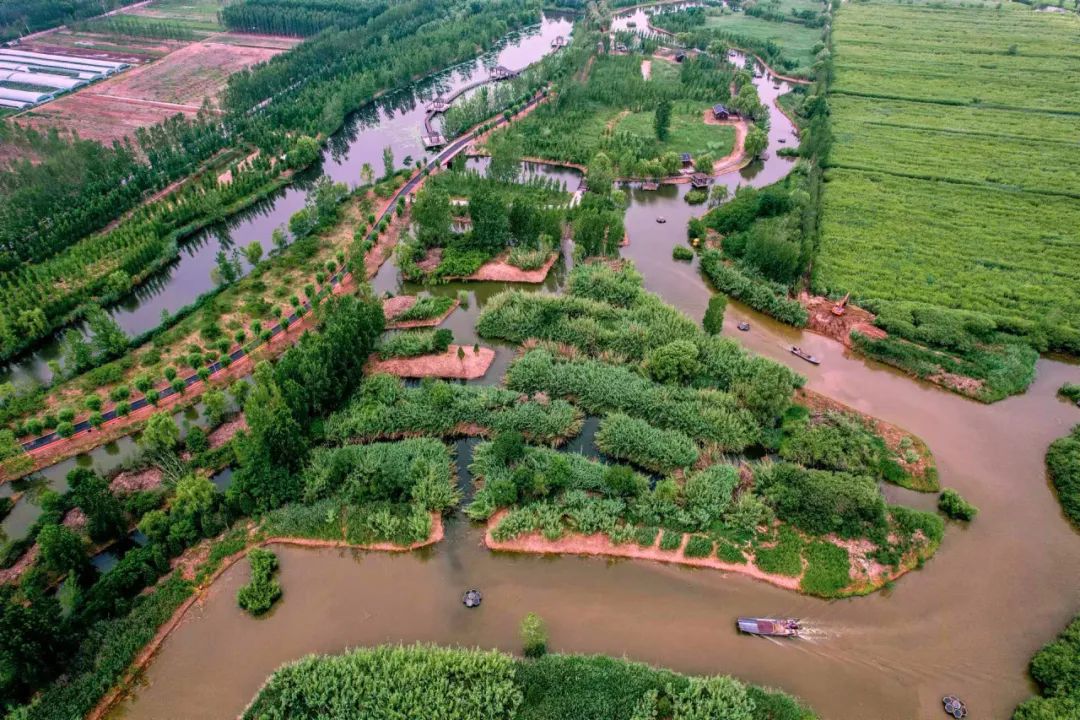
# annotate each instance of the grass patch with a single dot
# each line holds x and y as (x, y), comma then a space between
(828, 569)
(784, 557)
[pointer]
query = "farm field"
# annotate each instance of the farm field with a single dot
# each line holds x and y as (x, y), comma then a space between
(941, 197)
(796, 40)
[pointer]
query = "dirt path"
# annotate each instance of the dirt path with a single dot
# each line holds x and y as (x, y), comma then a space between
(610, 125)
(737, 157)
(646, 69)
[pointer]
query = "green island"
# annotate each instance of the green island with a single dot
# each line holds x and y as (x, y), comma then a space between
(494, 685)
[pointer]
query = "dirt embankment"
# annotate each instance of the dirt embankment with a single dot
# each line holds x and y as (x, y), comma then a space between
(468, 364)
(839, 328)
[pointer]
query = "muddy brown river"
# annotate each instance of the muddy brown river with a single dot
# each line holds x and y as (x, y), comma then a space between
(965, 624)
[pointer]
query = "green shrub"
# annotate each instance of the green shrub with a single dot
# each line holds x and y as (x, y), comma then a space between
(1063, 464)
(1070, 391)
(955, 507)
(828, 569)
(415, 343)
(681, 252)
(821, 502)
(645, 536)
(670, 540)
(713, 322)
(699, 546)
(785, 557)
(755, 293)
(262, 591)
(426, 308)
(534, 636)
(729, 552)
(627, 438)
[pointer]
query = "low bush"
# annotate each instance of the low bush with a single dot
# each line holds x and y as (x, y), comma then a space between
(1070, 391)
(698, 546)
(681, 252)
(526, 259)
(262, 591)
(729, 552)
(627, 438)
(828, 569)
(784, 557)
(1056, 670)
(645, 536)
(821, 502)
(670, 540)
(426, 308)
(956, 507)
(534, 636)
(415, 343)
(1063, 463)
(713, 322)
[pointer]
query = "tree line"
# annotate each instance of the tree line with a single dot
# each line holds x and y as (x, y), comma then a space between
(284, 17)
(21, 17)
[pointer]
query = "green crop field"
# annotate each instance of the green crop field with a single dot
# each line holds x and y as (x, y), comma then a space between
(796, 40)
(954, 176)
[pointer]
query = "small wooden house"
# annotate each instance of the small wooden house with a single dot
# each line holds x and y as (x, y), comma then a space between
(438, 105)
(503, 73)
(722, 113)
(699, 180)
(434, 140)
(687, 159)
(680, 56)
(650, 185)
(559, 42)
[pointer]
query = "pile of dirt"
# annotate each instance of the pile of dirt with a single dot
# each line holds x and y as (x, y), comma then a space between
(131, 481)
(471, 364)
(839, 328)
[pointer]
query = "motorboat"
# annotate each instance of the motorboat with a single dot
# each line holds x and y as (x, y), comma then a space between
(772, 627)
(661, 219)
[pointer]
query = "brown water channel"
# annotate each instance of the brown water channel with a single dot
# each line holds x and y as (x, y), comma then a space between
(965, 624)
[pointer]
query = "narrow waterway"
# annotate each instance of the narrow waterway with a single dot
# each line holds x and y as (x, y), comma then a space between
(394, 121)
(965, 624)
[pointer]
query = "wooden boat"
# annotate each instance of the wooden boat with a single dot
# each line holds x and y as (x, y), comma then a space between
(799, 352)
(472, 598)
(661, 219)
(773, 627)
(744, 326)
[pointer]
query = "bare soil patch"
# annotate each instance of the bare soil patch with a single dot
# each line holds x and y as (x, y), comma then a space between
(97, 117)
(839, 328)
(646, 69)
(131, 481)
(443, 365)
(499, 270)
(226, 431)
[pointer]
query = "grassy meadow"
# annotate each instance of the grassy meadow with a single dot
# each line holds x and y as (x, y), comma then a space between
(953, 177)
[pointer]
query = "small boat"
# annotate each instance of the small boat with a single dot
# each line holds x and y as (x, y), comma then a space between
(661, 219)
(472, 598)
(773, 627)
(744, 326)
(954, 706)
(782, 141)
(799, 352)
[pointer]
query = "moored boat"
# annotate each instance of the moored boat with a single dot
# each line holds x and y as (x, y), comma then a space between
(798, 351)
(744, 326)
(773, 627)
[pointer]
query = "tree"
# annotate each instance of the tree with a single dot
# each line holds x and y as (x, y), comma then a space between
(215, 406)
(505, 165)
(303, 152)
(662, 119)
(432, 215)
(600, 174)
(534, 636)
(280, 239)
(254, 252)
(491, 224)
(676, 362)
(367, 174)
(756, 142)
(161, 434)
(623, 481)
(224, 271)
(76, 352)
(388, 161)
(61, 549)
(108, 339)
(32, 644)
(104, 513)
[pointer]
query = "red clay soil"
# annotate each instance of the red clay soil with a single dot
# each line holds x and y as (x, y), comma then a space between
(15, 572)
(396, 306)
(839, 328)
(736, 158)
(499, 270)
(131, 481)
(443, 365)
(146, 655)
(226, 431)
(600, 544)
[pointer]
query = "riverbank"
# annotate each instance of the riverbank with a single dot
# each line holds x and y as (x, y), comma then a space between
(186, 567)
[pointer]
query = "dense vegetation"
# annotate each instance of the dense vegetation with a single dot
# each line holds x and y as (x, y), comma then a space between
(489, 685)
(787, 34)
(280, 17)
(1056, 670)
(1063, 463)
(263, 590)
(918, 218)
(22, 17)
(613, 111)
(677, 401)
